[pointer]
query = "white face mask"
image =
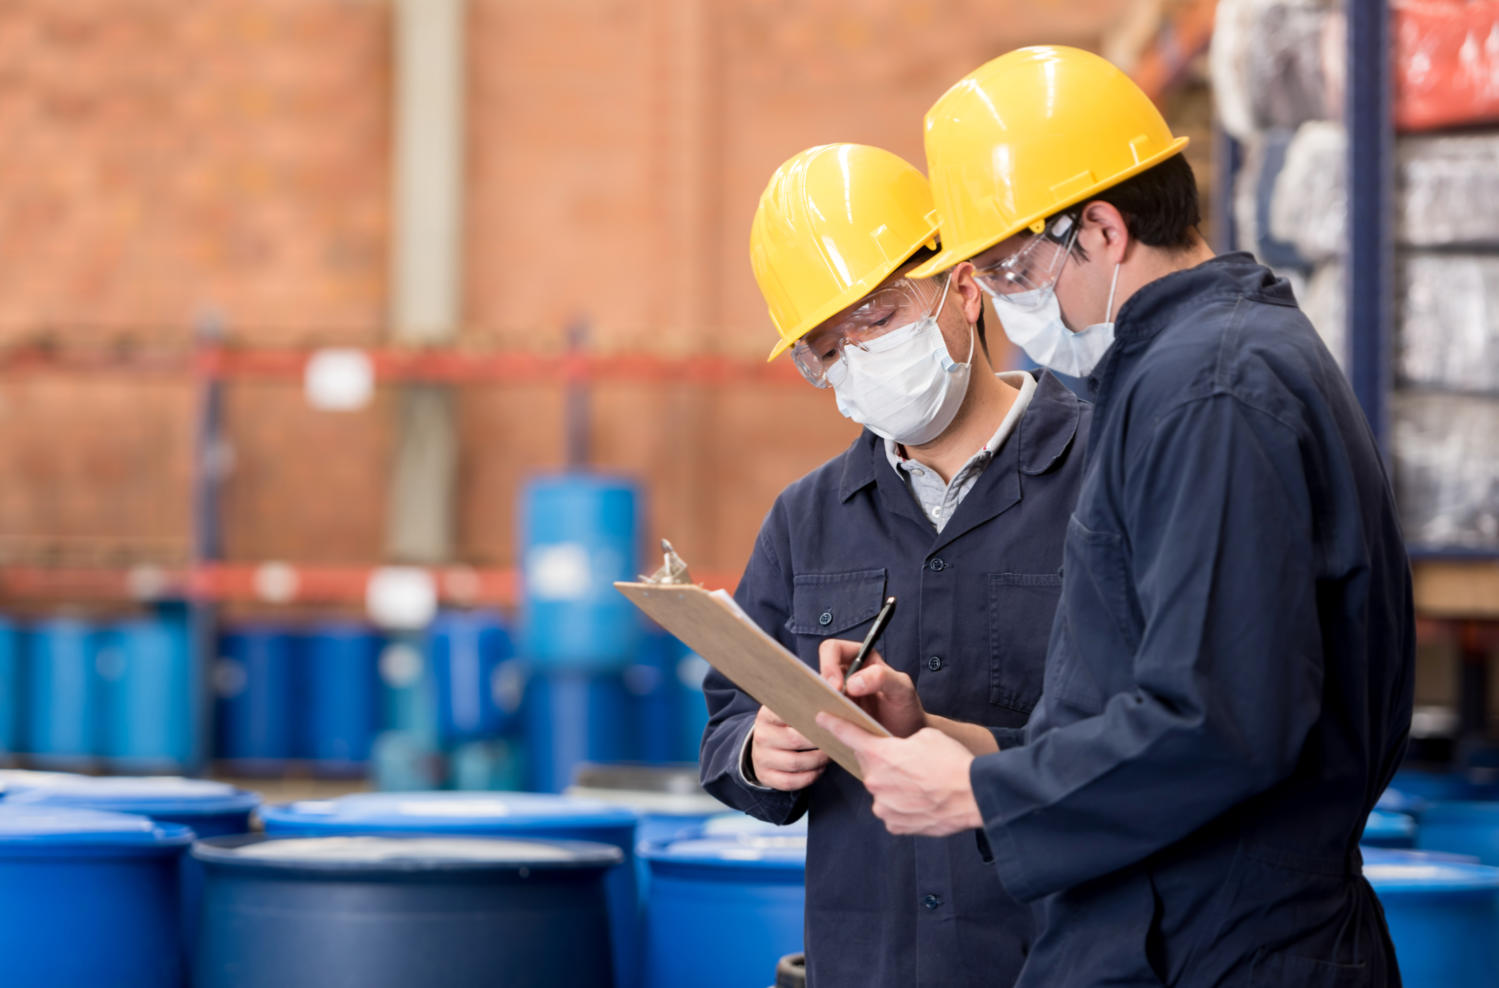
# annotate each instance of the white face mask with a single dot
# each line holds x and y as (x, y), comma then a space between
(903, 386)
(1033, 321)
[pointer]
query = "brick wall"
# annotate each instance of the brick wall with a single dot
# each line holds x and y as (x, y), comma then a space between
(164, 161)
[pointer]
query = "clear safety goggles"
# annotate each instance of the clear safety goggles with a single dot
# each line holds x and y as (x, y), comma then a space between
(1026, 276)
(893, 305)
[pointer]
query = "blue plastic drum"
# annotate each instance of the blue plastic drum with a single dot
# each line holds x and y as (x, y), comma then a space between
(394, 912)
(572, 718)
(1437, 787)
(12, 640)
(62, 689)
(1386, 829)
(408, 701)
(88, 898)
(579, 534)
(341, 712)
(254, 679)
(668, 798)
(1462, 828)
(478, 681)
(149, 696)
(666, 686)
(1442, 918)
(528, 815)
(723, 910)
(1397, 801)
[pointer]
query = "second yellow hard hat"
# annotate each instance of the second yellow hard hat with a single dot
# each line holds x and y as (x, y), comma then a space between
(1028, 134)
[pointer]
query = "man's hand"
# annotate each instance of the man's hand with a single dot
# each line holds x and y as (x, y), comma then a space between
(920, 784)
(781, 757)
(886, 694)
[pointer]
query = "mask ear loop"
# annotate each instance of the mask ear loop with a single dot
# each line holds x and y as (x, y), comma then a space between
(1108, 310)
(972, 327)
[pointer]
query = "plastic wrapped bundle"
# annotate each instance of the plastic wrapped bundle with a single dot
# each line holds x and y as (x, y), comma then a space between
(1447, 468)
(1447, 62)
(1267, 63)
(1447, 313)
(1254, 191)
(1447, 191)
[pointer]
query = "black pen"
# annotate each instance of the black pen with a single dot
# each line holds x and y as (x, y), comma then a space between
(880, 620)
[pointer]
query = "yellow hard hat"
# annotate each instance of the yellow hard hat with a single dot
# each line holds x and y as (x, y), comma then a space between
(833, 222)
(1028, 134)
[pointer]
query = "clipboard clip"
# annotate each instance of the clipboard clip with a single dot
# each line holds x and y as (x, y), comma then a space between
(673, 568)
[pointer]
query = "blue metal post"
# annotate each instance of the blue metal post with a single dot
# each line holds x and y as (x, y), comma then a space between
(207, 544)
(1371, 146)
(1228, 158)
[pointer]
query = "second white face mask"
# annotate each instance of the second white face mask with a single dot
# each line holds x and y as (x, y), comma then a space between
(1033, 321)
(904, 386)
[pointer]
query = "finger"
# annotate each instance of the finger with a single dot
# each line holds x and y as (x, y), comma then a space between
(833, 656)
(789, 761)
(789, 781)
(784, 737)
(768, 716)
(869, 680)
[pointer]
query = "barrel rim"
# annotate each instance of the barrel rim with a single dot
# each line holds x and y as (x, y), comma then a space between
(220, 852)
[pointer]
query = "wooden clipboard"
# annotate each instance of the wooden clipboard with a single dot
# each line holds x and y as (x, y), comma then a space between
(715, 628)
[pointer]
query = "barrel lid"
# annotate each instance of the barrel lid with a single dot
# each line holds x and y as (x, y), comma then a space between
(1425, 875)
(404, 853)
(743, 824)
(163, 794)
(1397, 801)
(1461, 812)
(669, 790)
(747, 851)
(37, 827)
(1386, 855)
(446, 811)
(1384, 825)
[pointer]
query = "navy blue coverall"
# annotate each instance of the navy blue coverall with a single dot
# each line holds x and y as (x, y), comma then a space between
(1228, 683)
(975, 608)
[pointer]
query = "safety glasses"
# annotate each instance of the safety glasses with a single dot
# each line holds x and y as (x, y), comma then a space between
(893, 305)
(1025, 277)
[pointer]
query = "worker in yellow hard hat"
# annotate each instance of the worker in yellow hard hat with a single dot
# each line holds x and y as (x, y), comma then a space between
(1228, 684)
(953, 500)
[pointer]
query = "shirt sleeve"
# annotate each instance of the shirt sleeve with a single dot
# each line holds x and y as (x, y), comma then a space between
(1227, 671)
(765, 593)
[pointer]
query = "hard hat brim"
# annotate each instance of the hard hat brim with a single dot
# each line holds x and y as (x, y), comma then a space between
(950, 256)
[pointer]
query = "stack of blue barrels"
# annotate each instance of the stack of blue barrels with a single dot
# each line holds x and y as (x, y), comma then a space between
(1431, 852)
(119, 694)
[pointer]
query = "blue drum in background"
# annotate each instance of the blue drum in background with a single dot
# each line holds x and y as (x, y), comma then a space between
(487, 765)
(723, 910)
(574, 717)
(743, 825)
(404, 761)
(1386, 829)
(209, 809)
(479, 684)
(517, 815)
(1396, 801)
(149, 692)
(666, 684)
(254, 679)
(340, 715)
(392, 912)
(408, 703)
(1442, 918)
(1437, 787)
(579, 534)
(62, 691)
(1461, 828)
(89, 898)
(12, 640)
(668, 798)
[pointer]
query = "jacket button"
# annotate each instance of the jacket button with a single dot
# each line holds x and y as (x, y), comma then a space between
(825, 618)
(932, 900)
(934, 663)
(936, 565)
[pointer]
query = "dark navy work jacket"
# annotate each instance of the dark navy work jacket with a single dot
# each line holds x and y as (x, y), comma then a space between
(1228, 684)
(975, 608)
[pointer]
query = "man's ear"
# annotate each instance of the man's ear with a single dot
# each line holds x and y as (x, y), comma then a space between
(963, 287)
(1105, 232)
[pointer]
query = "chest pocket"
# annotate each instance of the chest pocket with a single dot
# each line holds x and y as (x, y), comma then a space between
(1021, 607)
(827, 604)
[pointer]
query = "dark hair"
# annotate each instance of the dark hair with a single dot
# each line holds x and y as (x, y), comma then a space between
(1159, 205)
(922, 255)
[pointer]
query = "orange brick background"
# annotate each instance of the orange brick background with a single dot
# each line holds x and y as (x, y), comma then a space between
(165, 163)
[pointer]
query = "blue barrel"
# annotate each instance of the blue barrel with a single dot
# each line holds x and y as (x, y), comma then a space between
(487, 765)
(393, 912)
(668, 798)
(723, 910)
(1462, 828)
(408, 701)
(1398, 801)
(88, 898)
(479, 684)
(1437, 787)
(743, 825)
(1442, 918)
(528, 815)
(12, 639)
(404, 761)
(341, 709)
(573, 717)
(579, 534)
(149, 696)
(254, 679)
(1386, 829)
(62, 689)
(666, 683)
(209, 809)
